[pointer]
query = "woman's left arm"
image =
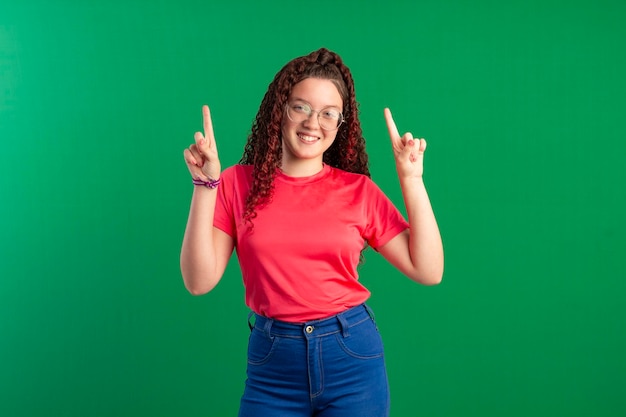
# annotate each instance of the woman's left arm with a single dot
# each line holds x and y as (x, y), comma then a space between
(418, 251)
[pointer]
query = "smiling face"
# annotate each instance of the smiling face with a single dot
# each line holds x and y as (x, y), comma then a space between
(305, 142)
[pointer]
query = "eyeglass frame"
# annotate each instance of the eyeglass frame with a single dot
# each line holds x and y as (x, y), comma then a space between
(340, 120)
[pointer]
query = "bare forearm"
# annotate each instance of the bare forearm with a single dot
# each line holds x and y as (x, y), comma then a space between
(425, 245)
(198, 255)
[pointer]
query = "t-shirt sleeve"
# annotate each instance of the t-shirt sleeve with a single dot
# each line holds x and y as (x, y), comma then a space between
(224, 218)
(384, 219)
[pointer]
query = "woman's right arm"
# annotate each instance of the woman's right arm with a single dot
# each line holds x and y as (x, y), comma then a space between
(205, 250)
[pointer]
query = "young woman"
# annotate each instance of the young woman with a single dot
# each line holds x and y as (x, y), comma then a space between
(299, 209)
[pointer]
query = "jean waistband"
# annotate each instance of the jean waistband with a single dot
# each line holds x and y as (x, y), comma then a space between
(338, 323)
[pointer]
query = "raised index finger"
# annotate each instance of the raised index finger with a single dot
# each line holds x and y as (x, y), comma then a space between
(391, 127)
(207, 124)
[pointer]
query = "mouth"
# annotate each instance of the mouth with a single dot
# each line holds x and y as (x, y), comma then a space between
(308, 139)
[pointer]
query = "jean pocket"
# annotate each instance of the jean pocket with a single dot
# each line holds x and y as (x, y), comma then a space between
(260, 347)
(363, 341)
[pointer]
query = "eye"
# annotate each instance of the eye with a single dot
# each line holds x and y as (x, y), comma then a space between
(301, 108)
(330, 114)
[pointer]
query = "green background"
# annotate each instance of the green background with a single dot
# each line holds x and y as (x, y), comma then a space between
(522, 104)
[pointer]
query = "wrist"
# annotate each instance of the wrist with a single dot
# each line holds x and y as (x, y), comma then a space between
(410, 179)
(210, 183)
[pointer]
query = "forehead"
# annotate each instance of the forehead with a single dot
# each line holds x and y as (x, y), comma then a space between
(317, 92)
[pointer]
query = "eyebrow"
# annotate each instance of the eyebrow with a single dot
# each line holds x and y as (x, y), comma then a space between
(323, 107)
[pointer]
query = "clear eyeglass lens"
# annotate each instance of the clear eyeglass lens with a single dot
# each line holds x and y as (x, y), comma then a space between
(328, 119)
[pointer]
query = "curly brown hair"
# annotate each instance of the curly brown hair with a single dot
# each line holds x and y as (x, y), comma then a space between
(264, 147)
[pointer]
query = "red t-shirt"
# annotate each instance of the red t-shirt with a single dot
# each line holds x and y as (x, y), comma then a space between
(299, 262)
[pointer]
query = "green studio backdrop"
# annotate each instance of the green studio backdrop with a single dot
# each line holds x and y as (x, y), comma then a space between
(522, 104)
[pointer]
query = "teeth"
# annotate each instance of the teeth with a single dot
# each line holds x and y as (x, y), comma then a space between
(307, 138)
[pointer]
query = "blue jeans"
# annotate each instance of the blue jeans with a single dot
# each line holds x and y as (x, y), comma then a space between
(323, 368)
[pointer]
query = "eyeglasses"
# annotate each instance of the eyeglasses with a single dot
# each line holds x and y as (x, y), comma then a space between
(328, 118)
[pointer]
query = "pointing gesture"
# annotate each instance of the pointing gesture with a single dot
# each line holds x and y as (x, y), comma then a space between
(408, 152)
(201, 157)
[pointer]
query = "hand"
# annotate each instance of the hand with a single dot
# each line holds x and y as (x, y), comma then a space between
(408, 152)
(201, 157)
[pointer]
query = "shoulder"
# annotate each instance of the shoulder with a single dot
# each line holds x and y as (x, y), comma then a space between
(237, 173)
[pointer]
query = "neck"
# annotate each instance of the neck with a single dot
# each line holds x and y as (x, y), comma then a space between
(302, 168)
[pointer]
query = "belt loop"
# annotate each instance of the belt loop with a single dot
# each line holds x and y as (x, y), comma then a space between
(344, 325)
(268, 326)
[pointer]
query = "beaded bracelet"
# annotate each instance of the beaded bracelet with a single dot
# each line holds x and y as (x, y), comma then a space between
(211, 183)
